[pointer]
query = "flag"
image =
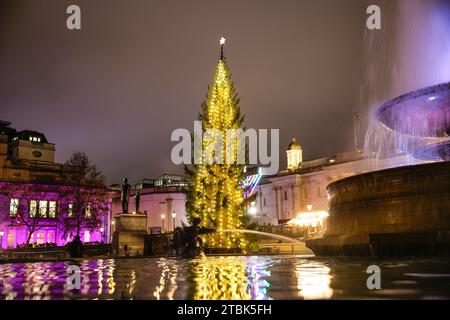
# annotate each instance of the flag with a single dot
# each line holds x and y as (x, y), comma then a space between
(356, 116)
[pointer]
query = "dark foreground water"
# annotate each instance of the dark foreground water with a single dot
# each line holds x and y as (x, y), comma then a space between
(251, 277)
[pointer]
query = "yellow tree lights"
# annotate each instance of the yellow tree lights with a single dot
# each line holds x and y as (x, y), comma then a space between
(215, 194)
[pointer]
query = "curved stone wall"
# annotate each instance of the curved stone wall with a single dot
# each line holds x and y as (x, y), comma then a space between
(398, 200)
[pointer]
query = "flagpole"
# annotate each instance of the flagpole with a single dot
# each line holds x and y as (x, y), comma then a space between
(354, 134)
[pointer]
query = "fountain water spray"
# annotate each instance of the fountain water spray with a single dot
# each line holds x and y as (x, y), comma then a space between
(271, 235)
(411, 51)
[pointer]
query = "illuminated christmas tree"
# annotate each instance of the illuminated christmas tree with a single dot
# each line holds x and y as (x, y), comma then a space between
(215, 194)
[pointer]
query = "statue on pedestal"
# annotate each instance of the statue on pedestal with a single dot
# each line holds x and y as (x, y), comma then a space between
(137, 201)
(125, 197)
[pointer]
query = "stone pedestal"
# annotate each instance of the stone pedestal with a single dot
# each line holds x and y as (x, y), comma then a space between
(129, 234)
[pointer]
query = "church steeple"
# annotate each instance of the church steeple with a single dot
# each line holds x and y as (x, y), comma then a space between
(294, 155)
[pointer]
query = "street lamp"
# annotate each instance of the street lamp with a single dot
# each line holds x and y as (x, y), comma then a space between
(174, 215)
(309, 207)
(1, 239)
(162, 218)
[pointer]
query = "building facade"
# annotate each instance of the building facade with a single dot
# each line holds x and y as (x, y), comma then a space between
(163, 200)
(302, 186)
(37, 194)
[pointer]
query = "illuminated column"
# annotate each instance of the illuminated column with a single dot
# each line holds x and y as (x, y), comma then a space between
(280, 203)
(277, 206)
(298, 197)
(293, 207)
(169, 214)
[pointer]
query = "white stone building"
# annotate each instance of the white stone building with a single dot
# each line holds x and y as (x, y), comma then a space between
(162, 199)
(301, 187)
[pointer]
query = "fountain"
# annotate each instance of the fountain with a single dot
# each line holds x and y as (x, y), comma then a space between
(402, 210)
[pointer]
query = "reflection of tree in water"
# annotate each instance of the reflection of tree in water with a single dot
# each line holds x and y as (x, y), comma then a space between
(97, 279)
(229, 278)
(168, 280)
(313, 280)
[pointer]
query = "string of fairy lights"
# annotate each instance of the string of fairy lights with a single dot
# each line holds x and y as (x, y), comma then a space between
(218, 197)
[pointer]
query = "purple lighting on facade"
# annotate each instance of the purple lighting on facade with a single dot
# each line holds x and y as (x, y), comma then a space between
(50, 229)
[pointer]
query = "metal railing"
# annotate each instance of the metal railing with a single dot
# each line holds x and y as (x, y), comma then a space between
(35, 254)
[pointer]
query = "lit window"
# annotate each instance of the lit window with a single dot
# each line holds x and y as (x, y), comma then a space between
(87, 236)
(13, 207)
(70, 210)
(38, 139)
(40, 238)
(52, 209)
(51, 236)
(31, 138)
(88, 211)
(33, 207)
(42, 208)
(11, 240)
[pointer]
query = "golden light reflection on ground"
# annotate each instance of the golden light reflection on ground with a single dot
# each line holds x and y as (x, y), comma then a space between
(313, 280)
(229, 278)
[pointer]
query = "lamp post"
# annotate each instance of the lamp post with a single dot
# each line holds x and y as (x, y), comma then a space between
(162, 218)
(174, 215)
(1, 240)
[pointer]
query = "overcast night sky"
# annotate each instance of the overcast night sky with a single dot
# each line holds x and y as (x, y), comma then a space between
(139, 69)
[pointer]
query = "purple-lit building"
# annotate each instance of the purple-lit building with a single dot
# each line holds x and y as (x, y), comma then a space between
(41, 192)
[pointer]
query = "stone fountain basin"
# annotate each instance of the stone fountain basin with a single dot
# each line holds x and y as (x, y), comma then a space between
(421, 113)
(403, 207)
(401, 199)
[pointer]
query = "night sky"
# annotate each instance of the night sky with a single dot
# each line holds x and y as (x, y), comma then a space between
(139, 69)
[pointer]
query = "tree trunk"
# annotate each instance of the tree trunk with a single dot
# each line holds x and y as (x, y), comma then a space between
(29, 237)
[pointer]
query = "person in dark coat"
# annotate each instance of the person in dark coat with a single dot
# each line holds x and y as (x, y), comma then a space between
(76, 248)
(191, 237)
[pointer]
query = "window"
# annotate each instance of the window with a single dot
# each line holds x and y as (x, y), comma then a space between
(51, 236)
(88, 211)
(40, 238)
(11, 240)
(264, 202)
(87, 236)
(285, 195)
(47, 209)
(70, 210)
(52, 209)
(43, 208)
(13, 207)
(33, 206)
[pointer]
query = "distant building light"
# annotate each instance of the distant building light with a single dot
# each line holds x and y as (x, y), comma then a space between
(332, 160)
(432, 98)
(312, 219)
